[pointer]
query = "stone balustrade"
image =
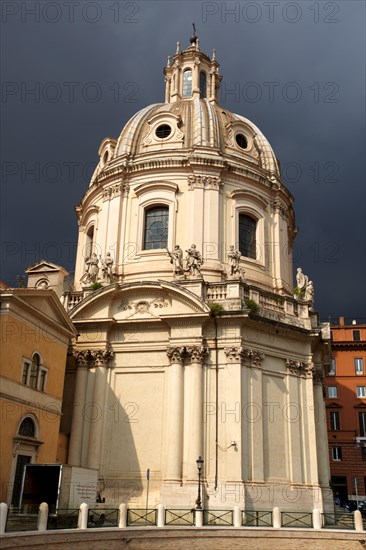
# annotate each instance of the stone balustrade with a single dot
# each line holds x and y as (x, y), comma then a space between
(234, 295)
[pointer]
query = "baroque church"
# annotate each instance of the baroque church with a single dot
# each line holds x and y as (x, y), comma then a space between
(191, 342)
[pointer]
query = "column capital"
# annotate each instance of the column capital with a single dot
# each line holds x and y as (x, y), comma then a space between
(234, 354)
(197, 354)
(300, 368)
(176, 354)
(82, 358)
(102, 357)
(253, 357)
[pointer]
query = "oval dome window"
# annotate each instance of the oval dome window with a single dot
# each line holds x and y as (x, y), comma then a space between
(241, 140)
(163, 131)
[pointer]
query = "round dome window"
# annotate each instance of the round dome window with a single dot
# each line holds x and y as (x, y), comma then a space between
(163, 131)
(241, 140)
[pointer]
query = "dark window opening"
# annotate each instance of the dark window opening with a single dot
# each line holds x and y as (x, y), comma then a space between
(247, 236)
(241, 140)
(203, 85)
(335, 421)
(27, 428)
(163, 131)
(362, 423)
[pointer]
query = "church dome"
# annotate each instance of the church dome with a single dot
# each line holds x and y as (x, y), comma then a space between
(188, 160)
(187, 124)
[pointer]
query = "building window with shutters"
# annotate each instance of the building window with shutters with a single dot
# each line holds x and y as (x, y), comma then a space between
(332, 392)
(358, 365)
(34, 374)
(335, 421)
(337, 453)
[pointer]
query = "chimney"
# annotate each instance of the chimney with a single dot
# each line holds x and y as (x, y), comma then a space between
(341, 321)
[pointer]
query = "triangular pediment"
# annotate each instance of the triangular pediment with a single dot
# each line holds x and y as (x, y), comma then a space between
(41, 307)
(45, 266)
(334, 405)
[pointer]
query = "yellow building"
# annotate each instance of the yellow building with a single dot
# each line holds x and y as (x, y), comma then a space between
(35, 334)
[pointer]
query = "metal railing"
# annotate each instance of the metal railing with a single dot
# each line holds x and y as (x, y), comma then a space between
(297, 519)
(141, 516)
(179, 517)
(254, 518)
(17, 521)
(338, 520)
(103, 517)
(218, 517)
(64, 519)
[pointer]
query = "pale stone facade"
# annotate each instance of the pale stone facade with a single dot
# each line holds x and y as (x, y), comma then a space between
(188, 350)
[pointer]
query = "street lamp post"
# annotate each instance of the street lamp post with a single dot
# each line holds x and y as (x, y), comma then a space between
(199, 468)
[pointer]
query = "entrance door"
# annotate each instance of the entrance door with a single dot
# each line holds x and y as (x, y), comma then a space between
(22, 460)
(339, 484)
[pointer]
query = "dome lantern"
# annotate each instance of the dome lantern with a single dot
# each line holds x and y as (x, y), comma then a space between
(192, 74)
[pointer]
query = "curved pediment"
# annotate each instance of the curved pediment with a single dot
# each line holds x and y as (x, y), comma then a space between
(140, 301)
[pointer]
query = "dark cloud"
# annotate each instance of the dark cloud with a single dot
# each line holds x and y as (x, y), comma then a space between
(295, 68)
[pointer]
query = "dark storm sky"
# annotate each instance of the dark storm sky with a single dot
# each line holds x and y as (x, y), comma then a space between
(296, 69)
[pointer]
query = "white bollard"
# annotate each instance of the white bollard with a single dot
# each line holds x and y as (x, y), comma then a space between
(276, 518)
(42, 517)
(83, 516)
(317, 519)
(3, 517)
(358, 521)
(161, 516)
(237, 516)
(122, 519)
(199, 518)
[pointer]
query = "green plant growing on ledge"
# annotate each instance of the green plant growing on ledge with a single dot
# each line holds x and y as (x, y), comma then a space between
(216, 309)
(252, 305)
(300, 292)
(96, 286)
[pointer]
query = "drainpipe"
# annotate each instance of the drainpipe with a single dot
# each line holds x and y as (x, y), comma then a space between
(216, 405)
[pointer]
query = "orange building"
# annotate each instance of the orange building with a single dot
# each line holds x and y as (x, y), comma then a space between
(35, 334)
(346, 410)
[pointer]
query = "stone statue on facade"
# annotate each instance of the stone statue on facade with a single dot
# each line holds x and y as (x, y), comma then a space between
(92, 270)
(107, 274)
(176, 258)
(193, 262)
(309, 292)
(234, 259)
(304, 288)
(301, 279)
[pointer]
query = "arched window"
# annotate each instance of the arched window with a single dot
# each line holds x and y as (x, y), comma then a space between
(33, 379)
(156, 227)
(89, 242)
(34, 374)
(27, 428)
(203, 85)
(247, 236)
(187, 83)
